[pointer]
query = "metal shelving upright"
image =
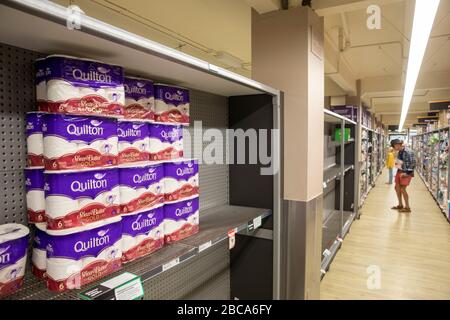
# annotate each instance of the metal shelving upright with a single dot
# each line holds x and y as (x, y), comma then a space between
(221, 99)
(339, 197)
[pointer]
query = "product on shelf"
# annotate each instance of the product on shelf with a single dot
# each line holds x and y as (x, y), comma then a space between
(13, 257)
(181, 220)
(40, 68)
(35, 197)
(166, 142)
(134, 141)
(35, 140)
(181, 180)
(77, 199)
(171, 104)
(142, 233)
(77, 259)
(139, 99)
(79, 142)
(86, 87)
(39, 254)
(141, 187)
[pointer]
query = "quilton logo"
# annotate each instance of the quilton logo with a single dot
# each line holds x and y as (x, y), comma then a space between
(5, 256)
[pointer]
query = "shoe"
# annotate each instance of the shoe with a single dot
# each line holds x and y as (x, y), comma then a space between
(397, 208)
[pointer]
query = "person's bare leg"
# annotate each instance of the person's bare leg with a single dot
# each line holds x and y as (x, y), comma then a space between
(399, 195)
(405, 196)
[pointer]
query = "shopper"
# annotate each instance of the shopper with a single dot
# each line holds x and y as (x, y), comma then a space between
(390, 163)
(407, 160)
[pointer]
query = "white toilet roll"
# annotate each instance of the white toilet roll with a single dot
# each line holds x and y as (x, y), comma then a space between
(63, 273)
(55, 147)
(35, 144)
(128, 242)
(60, 90)
(60, 206)
(39, 258)
(128, 194)
(36, 200)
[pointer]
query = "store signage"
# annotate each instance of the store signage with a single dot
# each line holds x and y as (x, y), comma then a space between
(126, 286)
(350, 112)
(427, 119)
(440, 105)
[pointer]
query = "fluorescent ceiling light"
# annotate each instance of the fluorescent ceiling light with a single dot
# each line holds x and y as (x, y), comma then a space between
(424, 14)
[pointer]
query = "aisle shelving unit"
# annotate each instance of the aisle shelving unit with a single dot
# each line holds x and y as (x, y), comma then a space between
(432, 158)
(219, 98)
(338, 183)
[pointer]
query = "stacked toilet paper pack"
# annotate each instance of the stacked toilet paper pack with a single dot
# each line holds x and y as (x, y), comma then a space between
(171, 104)
(84, 87)
(79, 142)
(139, 99)
(13, 257)
(35, 139)
(39, 254)
(73, 200)
(41, 70)
(166, 142)
(35, 197)
(181, 220)
(181, 180)
(142, 233)
(134, 141)
(141, 187)
(77, 259)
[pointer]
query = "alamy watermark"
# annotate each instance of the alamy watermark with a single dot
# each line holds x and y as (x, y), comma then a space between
(374, 278)
(374, 19)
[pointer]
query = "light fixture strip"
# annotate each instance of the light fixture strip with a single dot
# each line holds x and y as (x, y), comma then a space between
(424, 14)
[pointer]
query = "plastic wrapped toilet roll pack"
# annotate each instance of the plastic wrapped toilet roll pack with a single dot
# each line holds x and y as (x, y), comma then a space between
(39, 254)
(166, 142)
(171, 104)
(79, 142)
(35, 140)
(34, 188)
(84, 87)
(40, 67)
(141, 187)
(181, 220)
(181, 180)
(142, 233)
(77, 259)
(139, 99)
(134, 141)
(13, 257)
(74, 200)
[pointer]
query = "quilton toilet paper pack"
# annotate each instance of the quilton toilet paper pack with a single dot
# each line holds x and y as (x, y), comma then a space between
(41, 71)
(39, 254)
(181, 220)
(181, 180)
(13, 257)
(35, 139)
(35, 196)
(77, 259)
(166, 142)
(79, 142)
(84, 87)
(142, 233)
(139, 99)
(171, 104)
(77, 199)
(134, 141)
(141, 187)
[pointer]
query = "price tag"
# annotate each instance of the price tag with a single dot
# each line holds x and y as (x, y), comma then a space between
(257, 222)
(132, 290)
(170, 264)
(204, 246)
(232, 238)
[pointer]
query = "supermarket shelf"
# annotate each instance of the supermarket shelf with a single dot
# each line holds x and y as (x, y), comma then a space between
(333, 117)
(433, 194)
(333, 173)
(214, 226)
(331, 231)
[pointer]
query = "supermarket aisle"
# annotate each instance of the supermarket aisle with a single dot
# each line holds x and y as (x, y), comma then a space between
(411, 251)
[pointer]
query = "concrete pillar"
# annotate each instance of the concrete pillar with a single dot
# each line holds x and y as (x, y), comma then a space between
(288, 54)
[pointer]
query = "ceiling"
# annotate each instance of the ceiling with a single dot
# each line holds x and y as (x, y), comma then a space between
(378, 58)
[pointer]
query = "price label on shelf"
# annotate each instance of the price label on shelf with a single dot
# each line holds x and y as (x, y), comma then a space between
(232, 238)
(204, 246)
(132, 290)
(170, 264)
(257, 222)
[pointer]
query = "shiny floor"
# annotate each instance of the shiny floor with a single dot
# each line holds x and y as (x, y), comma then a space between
(391, 255)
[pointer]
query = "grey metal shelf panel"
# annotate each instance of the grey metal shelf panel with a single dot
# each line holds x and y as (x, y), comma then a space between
(333, 117)
(136, 53)
(333, 173)
(215, 223)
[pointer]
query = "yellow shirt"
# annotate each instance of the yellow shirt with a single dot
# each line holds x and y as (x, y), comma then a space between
(390, 162)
